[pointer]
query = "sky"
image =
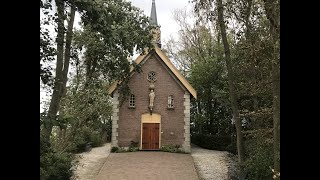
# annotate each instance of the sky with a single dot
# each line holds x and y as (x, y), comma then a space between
(164, 10)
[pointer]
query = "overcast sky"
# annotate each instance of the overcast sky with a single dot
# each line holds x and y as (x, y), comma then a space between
(164, 10)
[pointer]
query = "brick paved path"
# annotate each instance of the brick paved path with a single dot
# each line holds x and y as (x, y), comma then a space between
(148, 165)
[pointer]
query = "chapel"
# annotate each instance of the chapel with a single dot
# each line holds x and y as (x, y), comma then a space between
(157, 112)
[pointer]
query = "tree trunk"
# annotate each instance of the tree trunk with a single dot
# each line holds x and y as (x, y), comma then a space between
(61, 67)
(77, 78)
(255, 103)
(233, 93)
(199, 111)
(91, 68)
(55, 98)
(276, 115)
(60, 133)
(252, 54)
(270, 8)
(199, 106)
(247, 19)
(68, 47)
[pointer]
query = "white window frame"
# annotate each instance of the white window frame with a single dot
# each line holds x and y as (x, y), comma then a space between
(170, 102)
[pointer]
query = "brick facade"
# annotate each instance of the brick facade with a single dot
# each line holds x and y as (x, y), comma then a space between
(173, 121)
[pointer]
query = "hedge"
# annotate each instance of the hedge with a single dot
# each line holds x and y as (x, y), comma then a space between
(213, 142)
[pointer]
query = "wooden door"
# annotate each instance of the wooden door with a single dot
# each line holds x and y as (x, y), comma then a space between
(150, 136)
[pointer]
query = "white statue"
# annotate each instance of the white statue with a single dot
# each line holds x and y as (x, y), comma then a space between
(151, 96)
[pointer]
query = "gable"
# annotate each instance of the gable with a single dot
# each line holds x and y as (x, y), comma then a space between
(160, 64)
(153, 63)
(170, 67)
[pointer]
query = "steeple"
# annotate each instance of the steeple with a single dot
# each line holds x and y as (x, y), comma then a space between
(153, 16)
(153, 21)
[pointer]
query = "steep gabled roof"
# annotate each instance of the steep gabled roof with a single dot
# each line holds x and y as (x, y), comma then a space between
(168, 63)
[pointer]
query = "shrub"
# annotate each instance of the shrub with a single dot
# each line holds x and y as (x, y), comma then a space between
(79, 143)
(213, 142)
(232, 147)
(114, 149)
(167, 148)
(121, 149)
(82, 138)
(134, 144)
(259, 152)
(54, 165)
(96, 139)
(171, 148)
(133, 149)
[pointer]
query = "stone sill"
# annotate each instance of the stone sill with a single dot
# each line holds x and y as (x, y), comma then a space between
(172, 108)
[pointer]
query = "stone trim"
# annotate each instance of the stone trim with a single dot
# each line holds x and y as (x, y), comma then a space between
(186, 144)
(115, 118)
(147, 118)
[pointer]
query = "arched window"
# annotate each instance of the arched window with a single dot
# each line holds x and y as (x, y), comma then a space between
(132, 101)
(170, 102)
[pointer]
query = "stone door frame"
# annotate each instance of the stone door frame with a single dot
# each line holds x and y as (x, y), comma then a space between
(147, 118)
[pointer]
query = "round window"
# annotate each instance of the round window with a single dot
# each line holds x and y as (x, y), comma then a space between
(152, 76)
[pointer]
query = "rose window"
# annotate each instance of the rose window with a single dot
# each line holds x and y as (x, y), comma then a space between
(152, 76)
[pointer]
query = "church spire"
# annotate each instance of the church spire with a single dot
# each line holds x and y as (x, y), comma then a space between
(153, 16)
(153, 21)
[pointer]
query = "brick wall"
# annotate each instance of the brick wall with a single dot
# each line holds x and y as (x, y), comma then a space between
(172, 121)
